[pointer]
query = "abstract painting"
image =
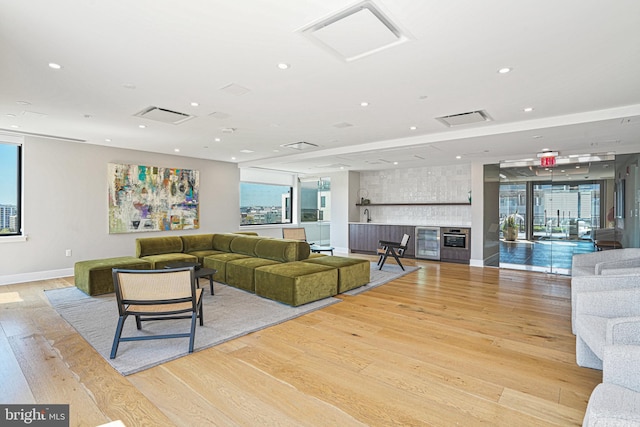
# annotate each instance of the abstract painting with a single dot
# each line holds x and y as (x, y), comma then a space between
(151, 198)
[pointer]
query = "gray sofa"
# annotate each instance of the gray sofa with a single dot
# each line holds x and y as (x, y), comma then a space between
(616, 401)
(605, 318)
(596, 262)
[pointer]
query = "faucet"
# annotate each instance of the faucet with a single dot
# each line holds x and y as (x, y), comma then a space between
(366, 212)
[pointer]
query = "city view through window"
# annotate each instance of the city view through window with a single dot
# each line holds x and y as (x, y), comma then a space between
(9, 189)
(265, 204)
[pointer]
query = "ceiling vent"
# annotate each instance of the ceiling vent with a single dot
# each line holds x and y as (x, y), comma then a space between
(355, 32)
(163, 115)
(235, 89)
(465, 118)
(299, 145)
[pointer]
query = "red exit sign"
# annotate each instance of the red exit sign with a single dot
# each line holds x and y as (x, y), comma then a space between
(547, 161)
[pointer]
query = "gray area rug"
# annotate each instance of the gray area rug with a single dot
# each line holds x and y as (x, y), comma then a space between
(388, 273)
(229, 314)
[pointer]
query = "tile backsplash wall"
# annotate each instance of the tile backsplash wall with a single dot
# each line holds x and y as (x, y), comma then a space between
(433, 184)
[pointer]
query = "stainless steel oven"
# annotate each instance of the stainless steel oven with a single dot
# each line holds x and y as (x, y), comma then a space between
(454, 244)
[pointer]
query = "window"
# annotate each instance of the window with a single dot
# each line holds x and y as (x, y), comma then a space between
(10, 173)
(265, 204)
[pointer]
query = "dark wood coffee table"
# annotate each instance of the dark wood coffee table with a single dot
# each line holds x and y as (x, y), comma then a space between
(200, 272)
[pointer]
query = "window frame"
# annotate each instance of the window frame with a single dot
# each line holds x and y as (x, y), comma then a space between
(18, 233)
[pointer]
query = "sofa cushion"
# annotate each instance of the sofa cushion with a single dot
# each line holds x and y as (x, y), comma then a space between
(219, 262)
(158, 245)
(241, 272)
(612, 405)
(201, 255)
(161, 260)
(94, 277)
(245, 245)
(282, 250)
(352, 272)
(197, 242)
(222, 242)
(296, 283)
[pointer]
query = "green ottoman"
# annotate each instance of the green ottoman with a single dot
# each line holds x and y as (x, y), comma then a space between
(241, 272)
(94, 277)
(219, 262)
(352, 272)
(296, 283)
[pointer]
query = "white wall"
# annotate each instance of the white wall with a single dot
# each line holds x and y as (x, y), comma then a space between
(66, 206)
(433, 184)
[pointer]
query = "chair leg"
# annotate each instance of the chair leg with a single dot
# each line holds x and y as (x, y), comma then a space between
(138, 322)
(116, 338)
(192, 336)
(383, 259)
(201, 314)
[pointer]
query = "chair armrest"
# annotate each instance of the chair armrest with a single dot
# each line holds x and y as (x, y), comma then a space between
(623, 330)
(627, 271)
(622, 263)
(386, 243)
(620, 366)
(610, 304)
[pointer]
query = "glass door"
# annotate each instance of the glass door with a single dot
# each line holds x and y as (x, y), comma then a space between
(549, 214)
(564, 213)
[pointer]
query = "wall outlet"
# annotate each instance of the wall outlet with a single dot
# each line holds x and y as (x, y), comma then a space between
(67, 252)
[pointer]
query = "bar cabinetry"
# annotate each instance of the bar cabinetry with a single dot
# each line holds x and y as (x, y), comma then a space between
(363, 238)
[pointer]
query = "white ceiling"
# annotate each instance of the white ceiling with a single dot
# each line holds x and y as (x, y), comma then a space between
(576, 62)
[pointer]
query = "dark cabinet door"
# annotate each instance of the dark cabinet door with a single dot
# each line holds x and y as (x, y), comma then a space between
(363, 238)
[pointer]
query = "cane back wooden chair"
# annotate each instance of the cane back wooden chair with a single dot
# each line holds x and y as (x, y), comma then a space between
(156, 295)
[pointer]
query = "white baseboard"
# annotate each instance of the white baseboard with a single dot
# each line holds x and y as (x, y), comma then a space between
(36, 275)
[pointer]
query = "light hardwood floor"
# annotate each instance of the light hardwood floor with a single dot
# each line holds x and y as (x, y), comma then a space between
(447, 345)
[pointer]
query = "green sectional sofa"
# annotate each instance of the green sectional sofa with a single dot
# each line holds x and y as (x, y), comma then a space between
(278, 269)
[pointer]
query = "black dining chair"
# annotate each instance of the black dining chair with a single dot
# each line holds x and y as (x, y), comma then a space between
(394, 249)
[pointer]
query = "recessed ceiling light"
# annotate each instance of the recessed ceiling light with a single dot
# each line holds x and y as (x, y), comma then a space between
(10, 115)
(458, 157)
(23, 103)
(504, 70)
(15, 126)
(107, 140)
(194, 104)
(54, 65)
(142, 126)
(177, 150)
(283, 66)
(528, 109)
(245, 151)
(233, 158)
(413, 128)
(217, 139)
(364, 104)
(395, 163)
